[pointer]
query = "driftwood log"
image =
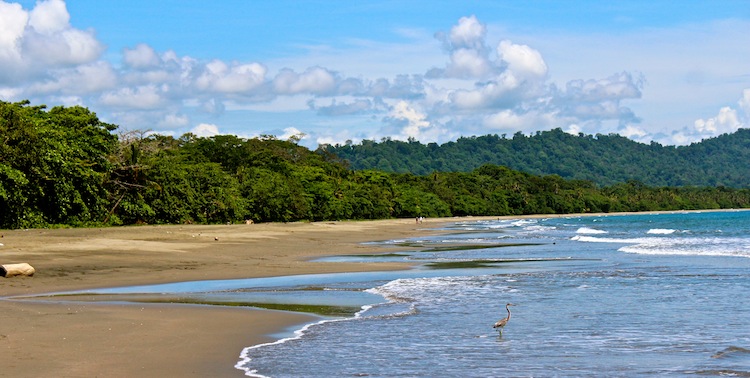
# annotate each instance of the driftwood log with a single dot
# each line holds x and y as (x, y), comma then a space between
(12, 270)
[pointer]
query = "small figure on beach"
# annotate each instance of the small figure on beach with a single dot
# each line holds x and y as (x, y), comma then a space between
(503, 322)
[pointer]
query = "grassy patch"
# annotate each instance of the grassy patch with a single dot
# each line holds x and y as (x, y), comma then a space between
(324, 310)
(469, 264)
(376, 255)
(464, 247)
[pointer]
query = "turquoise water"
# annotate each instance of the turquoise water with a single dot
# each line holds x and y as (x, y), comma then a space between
(618, 295)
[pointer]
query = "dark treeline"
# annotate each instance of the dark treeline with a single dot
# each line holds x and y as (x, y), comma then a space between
(63, 166)
(602, 159)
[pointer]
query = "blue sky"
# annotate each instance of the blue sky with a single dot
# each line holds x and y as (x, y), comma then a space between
(671, 72)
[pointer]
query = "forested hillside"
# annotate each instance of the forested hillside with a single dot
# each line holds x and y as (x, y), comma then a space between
(64, 167)
(603, 159)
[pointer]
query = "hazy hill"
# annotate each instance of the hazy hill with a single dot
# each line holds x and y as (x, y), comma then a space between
(603, 159)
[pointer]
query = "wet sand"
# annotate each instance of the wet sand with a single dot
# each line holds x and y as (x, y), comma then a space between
(86, 339)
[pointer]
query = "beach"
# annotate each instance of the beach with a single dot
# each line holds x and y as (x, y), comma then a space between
(87, 339)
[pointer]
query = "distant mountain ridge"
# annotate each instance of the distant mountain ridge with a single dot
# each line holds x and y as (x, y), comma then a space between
(602, 159)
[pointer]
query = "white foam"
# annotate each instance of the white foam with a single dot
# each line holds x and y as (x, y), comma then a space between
(523, 222)
(590, 231)
(594, 239)
(661, 231)
(245, 358)
(659, 245)
(539, 228)
(693, 246)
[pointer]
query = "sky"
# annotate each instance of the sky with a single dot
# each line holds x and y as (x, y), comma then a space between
(343, 71)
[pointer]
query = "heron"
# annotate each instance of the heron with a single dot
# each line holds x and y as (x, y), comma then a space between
(503, 322)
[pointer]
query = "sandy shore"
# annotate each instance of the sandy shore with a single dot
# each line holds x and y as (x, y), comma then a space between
(85, 339)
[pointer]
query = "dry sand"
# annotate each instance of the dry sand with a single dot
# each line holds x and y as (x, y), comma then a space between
(86, 339)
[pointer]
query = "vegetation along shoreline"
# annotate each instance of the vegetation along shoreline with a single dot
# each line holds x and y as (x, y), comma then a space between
(64, 167)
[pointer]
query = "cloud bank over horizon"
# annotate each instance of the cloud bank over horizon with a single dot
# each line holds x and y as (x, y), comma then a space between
(472, 82)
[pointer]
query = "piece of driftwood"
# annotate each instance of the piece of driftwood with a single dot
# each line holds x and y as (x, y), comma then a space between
(12, 270)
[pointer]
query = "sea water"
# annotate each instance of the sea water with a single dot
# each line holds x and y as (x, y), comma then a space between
(617, 295)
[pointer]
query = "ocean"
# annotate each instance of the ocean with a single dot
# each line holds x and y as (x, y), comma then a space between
(614, 295)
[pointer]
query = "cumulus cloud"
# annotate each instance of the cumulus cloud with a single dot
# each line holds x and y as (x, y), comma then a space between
(523, 61)
(633, 132)
(728, 120)
(315, 80)
(744, 103)
(220, 77)
(511, 121)
(13, 21)
(725, 122)
(401, 87)
(506, 90)
(478, 86)
(49, 17)
(600, 99)
(338, 108)
(291, 133)
(205, 130)
(142, 97)
(142, 56)
(86, 79)
(469, 33)
(468, 52)
(616, 87)
(410, 122)
(34, 42)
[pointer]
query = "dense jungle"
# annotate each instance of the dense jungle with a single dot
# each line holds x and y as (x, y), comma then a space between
(63, 167)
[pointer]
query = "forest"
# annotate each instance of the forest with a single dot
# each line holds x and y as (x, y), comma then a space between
(63, 167)
(602, 159)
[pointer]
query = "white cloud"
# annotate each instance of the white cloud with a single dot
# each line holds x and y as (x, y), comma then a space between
(142, 97)
(599, 99)
(633, 132)
(13, 21)
(744, 103)
(174, 121)
(34, 42)
(616, 87)
(292, 132)
(510, 121)
(205, 130)
(49, 17)
(220, 77)
(573, 129)
(414, 88)
(68, 47)
(728, 120)
(725, 122)
(469, 33)
(468, 63)
(338, 108)
(142, 56)
(522, 60)
(468, 53)
(87, 79)
(412, 123)
(315, 80)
